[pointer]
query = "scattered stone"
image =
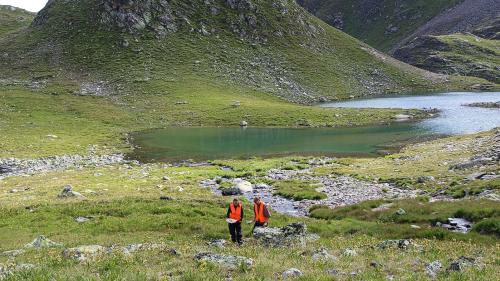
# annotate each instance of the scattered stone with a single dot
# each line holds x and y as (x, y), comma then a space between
(4, 169)
(461, 264)
(165, 178)
(68, 192)
(225, 261)
(432, 269)
(82, 219)
(400, 212)
(243, 124)
(12, 253)
(383, 207)
(402, 244)
(291, 273)
(52, 136)
(323, 255)
(83, 253)
(166, 198)
(219, 243)
(415, 226)
(374, 264)
(334, 272)
(7, 270)
(262, 186)
(349, 253)
(295, 233)
(174, 252)
(425, 179)
(42, 242)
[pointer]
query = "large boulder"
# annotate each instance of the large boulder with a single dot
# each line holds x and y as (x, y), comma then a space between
(225, 261)
(292, 234)
(243, 186)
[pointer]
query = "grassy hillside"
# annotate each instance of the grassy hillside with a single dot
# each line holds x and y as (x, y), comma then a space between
(13, 19)
(461, 54)
(380, 23)
(185, 63)
(274, 48)
(123, 207)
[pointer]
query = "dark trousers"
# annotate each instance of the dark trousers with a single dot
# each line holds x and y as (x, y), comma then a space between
(235, 231)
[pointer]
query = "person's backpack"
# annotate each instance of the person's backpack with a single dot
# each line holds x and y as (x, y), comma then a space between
(267, 213)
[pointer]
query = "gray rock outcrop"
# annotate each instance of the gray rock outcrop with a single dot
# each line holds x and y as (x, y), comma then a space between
(225, 261)
(292, 234)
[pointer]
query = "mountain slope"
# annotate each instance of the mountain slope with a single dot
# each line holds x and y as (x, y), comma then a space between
(467, 16)
(272, 47)
(13, 19)
(380, 23)
(460, 54)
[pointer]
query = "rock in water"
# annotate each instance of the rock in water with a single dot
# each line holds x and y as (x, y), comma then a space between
(243, 186)
(227, 262)
(43, 242)
(292, 234)
(291, 273)
(68, 192)
(231, 191)
(83, 253)
(243, 124)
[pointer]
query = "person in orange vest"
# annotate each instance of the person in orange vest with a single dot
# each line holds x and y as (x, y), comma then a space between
(235, 216)
(261, 213)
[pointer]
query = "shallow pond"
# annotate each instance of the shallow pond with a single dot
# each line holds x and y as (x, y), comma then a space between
(175, 144)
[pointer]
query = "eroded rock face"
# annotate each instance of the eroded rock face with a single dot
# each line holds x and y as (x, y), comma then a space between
(137, 15)
(292, 234)
(225, 261)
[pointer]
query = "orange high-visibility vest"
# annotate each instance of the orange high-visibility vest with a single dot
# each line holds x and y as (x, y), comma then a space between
(258, 210)
(235, 212)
